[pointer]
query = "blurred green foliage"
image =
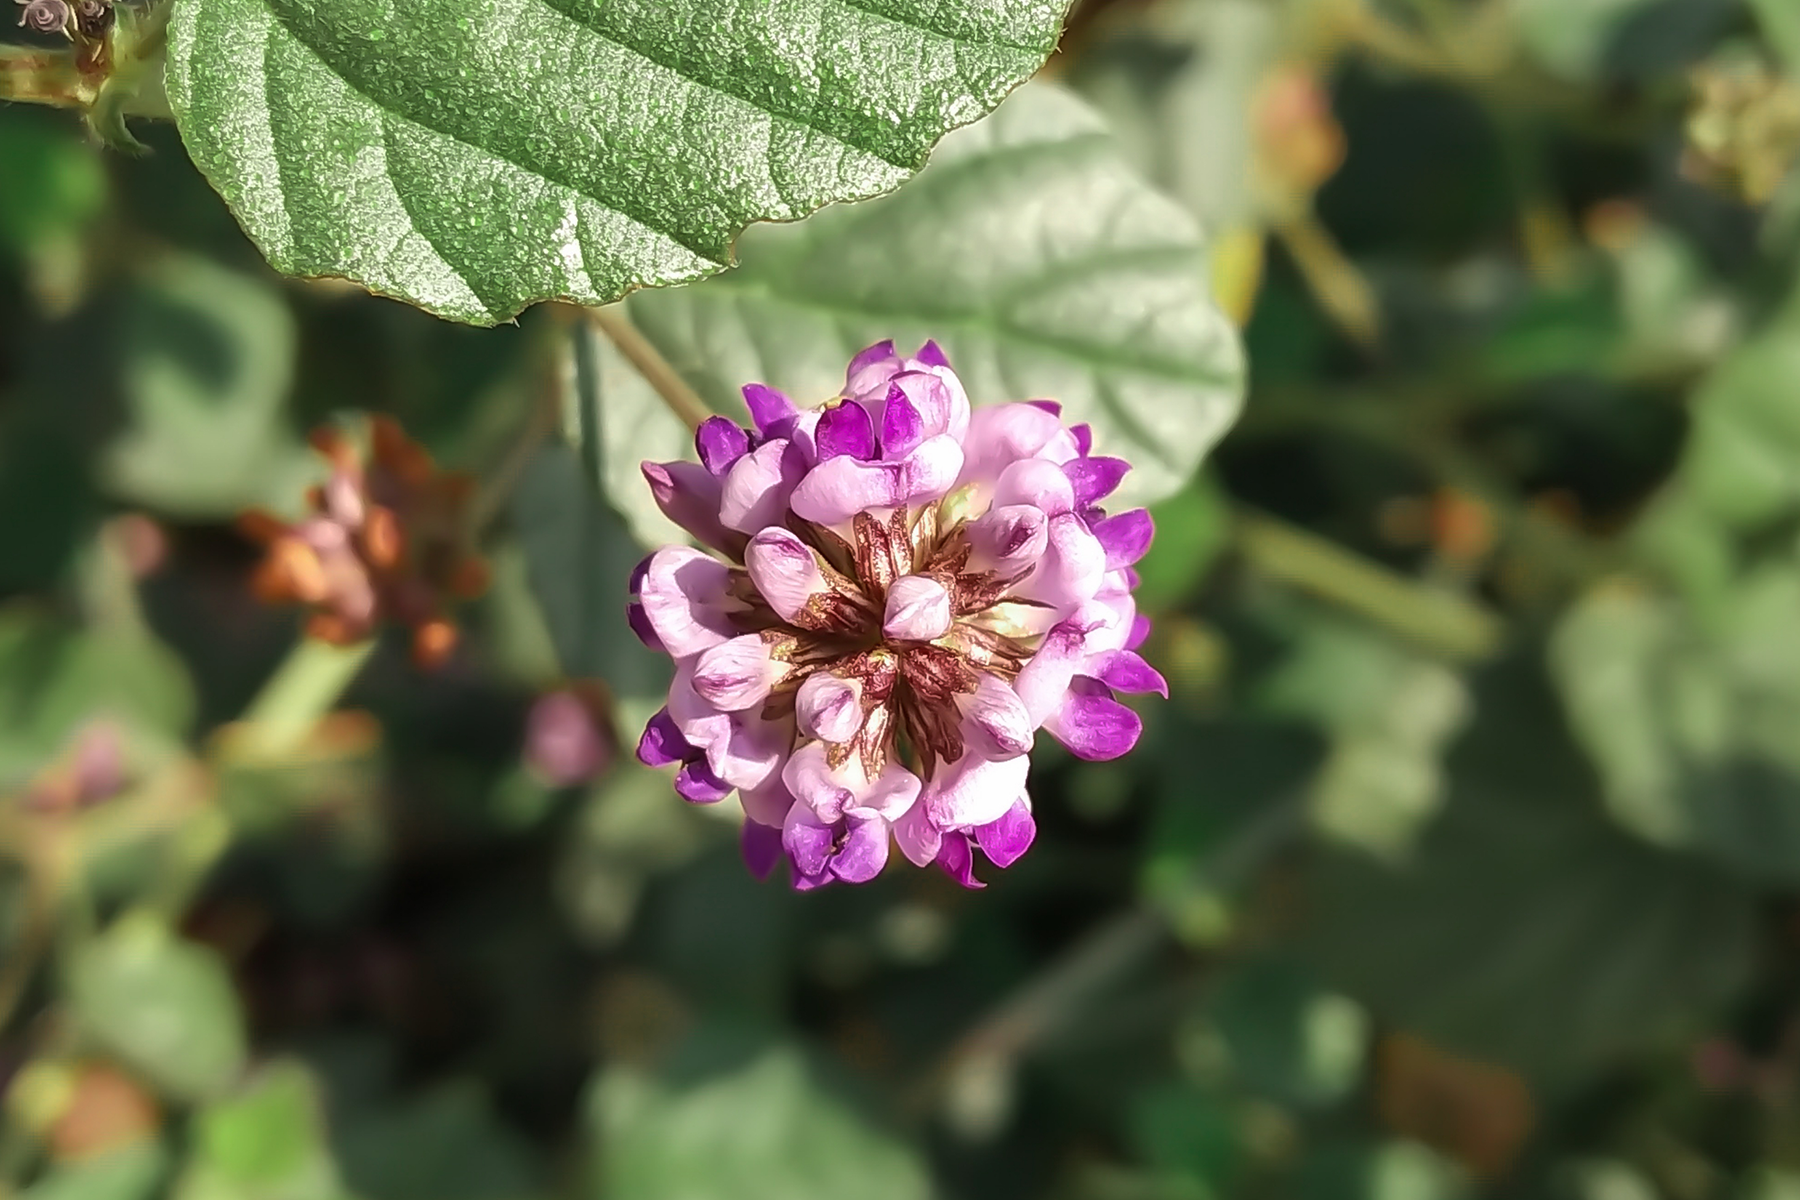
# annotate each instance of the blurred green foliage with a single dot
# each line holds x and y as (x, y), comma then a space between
(1461, 862)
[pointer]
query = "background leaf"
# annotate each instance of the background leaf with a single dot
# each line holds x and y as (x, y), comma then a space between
(1041, 265)
(207, 359)
(578, 553)
(765, 1132)
(475, 160)
(163, 1005)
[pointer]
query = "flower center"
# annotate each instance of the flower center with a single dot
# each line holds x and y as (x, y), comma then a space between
(904, 625)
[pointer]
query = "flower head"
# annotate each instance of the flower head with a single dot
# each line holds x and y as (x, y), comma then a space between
(385, 539)
(899, 594)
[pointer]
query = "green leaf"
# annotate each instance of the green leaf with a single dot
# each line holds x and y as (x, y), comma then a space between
(51, 185)
(448, 1145)
(1529, 930)
(578, 554)
(1286, 1037)
(1178, 91)
(1041, 264)
(1693, 733)
(129, 1173)
(1390, 714)
(473, 161)
(764, 1133)
(1572, 37)
(1741, 456)
(53, 679)
(1780, 22)
(266, 1142)
(208, 357)
(164, 1006)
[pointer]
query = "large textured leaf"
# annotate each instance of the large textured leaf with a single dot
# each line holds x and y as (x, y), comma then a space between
(1043, 266)
(475, 158)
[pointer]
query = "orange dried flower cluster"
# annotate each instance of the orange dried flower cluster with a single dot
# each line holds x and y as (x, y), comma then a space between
(386, 539)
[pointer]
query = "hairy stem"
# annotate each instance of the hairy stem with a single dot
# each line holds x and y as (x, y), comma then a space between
(682, 400)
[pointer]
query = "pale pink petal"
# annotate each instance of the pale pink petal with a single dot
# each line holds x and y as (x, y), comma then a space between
(918, 609)
(685, 599)
(756, 489)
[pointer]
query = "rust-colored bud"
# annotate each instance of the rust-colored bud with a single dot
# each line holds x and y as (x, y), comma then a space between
(385, 539)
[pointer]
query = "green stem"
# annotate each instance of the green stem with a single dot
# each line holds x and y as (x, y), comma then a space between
(303, 689)
(42, 77)
(682, 400)
(1436, 620)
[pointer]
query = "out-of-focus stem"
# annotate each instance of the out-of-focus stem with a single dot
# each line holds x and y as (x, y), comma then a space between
(303, 689)
(1334, 280)
(1438, 621)
(682, 400)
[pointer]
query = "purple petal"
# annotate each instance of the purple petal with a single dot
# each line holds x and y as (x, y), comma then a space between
(845, 429)
(1126, 671)
(756, 489)
(685, 598)
(662, 743)
(639, 620)
(784, 570)
(1084, 438)
(932, 355)
(918, 838)
(811, 781)
(902, 426)
(975, 790)
(932, 398)
(878, 353)
(1038, 482)
(829, 707)
(807, 841)
(638, 572)
(864, 851)
(1002, 434)
(769, 409)
(892, 794)
(761, 847)
(839, 488)
(930, 471)
(720, 442)
(1092, 724)
(1072, 568)
(1005, 840)
(1094, 479)
(737, 674)
(918, 609)
(1140, 632)
(956, 860)
(1126, 537)
(767, 803)
(696, 784)
(689, 496)
(1010, 537)
(1053, 407)
(1003, 726)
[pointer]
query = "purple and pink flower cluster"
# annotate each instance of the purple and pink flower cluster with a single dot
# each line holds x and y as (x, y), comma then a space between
(896, 594)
